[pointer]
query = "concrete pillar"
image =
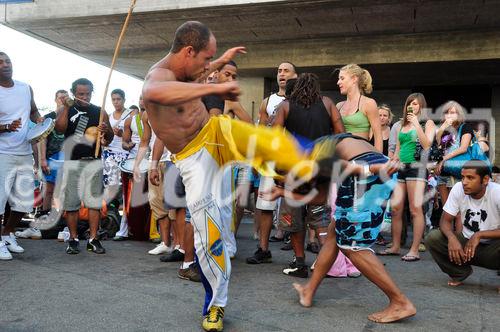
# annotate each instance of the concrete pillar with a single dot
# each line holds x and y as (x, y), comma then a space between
(494, 137)
(252, 94)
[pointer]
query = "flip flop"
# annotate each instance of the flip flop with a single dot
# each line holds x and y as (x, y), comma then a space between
(410, 258)
(386, 252)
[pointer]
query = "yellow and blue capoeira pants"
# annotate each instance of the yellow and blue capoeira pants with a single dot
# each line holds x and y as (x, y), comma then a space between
(204, 165)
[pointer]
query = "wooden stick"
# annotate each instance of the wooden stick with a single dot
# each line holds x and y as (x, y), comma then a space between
(115, 56)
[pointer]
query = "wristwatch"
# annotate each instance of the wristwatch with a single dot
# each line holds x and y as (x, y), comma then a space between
(6, 127)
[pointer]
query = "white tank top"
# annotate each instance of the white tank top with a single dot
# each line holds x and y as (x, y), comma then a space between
(116, 143)
(15, 103)
(272, 103)
(135, 135)
(166, 154)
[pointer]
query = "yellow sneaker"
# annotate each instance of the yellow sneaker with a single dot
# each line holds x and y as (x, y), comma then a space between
(213, 320)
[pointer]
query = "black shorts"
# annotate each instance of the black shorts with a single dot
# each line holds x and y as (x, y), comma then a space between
(411, 172)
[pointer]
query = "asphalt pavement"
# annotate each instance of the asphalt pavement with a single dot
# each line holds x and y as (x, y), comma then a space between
(126, 289)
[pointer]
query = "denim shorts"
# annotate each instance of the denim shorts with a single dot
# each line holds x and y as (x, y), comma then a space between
(448, 181)
(174, 192)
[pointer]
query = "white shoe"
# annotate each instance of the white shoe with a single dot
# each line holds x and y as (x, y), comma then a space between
(11, 243)
(64, 235)
(4, 252)
(161, 249)
(30, 233)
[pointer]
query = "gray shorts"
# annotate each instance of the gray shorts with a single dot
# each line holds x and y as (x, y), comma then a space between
(173, 188)
(295, 219)
(16, 183)
(82, 183)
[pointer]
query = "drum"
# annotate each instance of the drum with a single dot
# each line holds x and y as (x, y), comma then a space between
(40, 131)
(127, 165)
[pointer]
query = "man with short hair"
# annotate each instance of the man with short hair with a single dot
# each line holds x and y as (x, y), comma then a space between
(17, 108)
(203, 145)
(477, 200)
(82, 171)
(267, 112)
(216, 105)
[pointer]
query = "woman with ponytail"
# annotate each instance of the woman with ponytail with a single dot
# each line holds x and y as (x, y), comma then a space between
(359, 112)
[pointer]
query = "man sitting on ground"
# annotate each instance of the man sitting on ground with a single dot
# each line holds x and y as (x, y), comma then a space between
(477, 199)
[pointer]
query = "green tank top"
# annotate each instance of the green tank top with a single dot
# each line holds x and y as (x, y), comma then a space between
(357, 122)
(407, 146)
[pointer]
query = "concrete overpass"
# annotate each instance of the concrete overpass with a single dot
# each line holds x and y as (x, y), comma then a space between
(449, 49)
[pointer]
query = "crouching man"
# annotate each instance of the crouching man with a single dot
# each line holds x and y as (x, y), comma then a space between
(477, 199)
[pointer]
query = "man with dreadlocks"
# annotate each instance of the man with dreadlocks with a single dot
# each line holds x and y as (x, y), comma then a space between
(306, 115)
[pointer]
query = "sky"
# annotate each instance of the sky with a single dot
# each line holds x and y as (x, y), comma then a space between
(48, 68)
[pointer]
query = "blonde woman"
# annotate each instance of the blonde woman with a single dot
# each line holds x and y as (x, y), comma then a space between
(359, 112)
(412, 177)
(447, 136)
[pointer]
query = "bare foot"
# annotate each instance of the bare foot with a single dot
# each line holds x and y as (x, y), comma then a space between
(305, 297)
(394, 312)
(454, 283)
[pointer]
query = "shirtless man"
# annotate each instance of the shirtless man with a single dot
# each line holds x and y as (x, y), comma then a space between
(201, 145)
(177, 115)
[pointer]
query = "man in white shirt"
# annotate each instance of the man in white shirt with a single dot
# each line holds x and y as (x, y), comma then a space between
(477, 199)
(265, 209)
(17, 108)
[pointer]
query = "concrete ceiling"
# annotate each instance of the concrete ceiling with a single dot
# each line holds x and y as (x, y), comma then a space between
(274, 28)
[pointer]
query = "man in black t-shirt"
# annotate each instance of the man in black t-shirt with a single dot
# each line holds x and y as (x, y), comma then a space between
(82, 172)
(215, 105)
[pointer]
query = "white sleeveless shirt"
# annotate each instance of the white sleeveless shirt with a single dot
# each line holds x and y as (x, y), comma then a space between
(15, 103)
(272, 103)
(116, 143)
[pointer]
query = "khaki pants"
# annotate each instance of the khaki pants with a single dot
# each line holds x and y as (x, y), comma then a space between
(487, 255)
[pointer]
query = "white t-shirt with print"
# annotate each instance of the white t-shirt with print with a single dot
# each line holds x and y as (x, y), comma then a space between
(477, 214)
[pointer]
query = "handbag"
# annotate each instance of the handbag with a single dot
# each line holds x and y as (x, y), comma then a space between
(434, 154)
(454, 165)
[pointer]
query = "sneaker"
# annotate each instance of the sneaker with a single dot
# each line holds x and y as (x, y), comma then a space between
(275, 239)
(295, 270)
(64, 235)
(29, 233)
(161, 248)
(287, 246)
(260, 256)
(213, 320)
(72, 248)
(313, 247)
(4, 252)
(174, 256)
(120, 238)
(191, 273)
(95, 246)
(156, 240)
(11, 243)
